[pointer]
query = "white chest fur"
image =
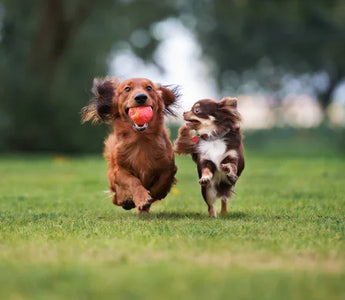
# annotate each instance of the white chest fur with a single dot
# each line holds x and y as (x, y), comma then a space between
(213, 150)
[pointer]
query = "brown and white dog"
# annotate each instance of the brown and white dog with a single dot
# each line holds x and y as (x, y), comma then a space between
(212, 136)
(141, 165)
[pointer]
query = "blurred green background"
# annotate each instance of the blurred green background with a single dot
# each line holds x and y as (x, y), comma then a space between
(51, 50)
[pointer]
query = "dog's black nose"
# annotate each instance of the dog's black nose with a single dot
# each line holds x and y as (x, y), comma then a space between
(140, 98)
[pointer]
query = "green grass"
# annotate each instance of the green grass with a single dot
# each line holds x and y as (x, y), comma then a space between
(284, 236)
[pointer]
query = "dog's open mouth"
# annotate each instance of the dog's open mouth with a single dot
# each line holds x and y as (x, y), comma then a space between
(190, 123)
(140, 127)
(139, 117)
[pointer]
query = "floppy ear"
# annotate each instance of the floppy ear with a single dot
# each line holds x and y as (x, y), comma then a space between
(228, 101)
(101, 107)
(184, 143)
(170, 97)
(229, 105)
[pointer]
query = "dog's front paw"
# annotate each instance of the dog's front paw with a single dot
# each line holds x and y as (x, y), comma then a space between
(228, 170)
(233, 177)
(205, 180)
(144, 206)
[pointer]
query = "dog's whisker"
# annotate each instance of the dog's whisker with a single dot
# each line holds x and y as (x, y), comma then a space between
(108, 194)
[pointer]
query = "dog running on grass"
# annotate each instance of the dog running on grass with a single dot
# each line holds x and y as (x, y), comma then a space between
(212, 136)
(141, 165)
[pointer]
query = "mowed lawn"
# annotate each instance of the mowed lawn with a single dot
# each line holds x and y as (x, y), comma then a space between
(284, 236)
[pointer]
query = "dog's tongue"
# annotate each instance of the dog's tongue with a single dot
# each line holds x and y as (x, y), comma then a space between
(140, 115)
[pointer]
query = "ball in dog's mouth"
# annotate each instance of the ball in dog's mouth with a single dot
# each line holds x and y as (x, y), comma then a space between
(140, 117)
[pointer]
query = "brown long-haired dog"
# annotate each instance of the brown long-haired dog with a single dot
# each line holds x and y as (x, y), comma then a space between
(212, 136)
(141, 165)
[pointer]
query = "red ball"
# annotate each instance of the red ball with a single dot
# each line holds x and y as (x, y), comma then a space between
(140, 115)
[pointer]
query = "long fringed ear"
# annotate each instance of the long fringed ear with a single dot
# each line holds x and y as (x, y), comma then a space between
(184, 143)
(229, 101)
(229, 105)
(170, 95)
(101, 107)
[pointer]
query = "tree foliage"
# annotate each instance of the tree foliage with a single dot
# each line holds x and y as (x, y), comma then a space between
(295, 36)
(50, 50)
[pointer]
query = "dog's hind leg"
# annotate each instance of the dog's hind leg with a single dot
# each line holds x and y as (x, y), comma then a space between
(224, 207)
(227, 191)
(210, 197)
(212, 211)
(162, 186)
(206, 171)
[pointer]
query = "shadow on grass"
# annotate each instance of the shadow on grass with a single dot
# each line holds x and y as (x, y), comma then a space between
(184, 215)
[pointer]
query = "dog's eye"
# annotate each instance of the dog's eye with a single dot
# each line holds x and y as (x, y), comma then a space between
(149, 88)
(127, 89)
(196, 110)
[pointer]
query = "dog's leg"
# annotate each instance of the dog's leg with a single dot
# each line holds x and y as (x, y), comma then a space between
(229, 165)
(212, 211)
(206, 169)
(210, 197)
(129, 187)
(162, 186)
(230, 169)
(206, 176)
(123, 197)
(224, 208)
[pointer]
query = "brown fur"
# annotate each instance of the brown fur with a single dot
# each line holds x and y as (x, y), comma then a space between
(141, 166)
(208, 124)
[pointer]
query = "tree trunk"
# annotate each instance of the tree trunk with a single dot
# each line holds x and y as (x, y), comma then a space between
(325, 98)
(54, 34)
